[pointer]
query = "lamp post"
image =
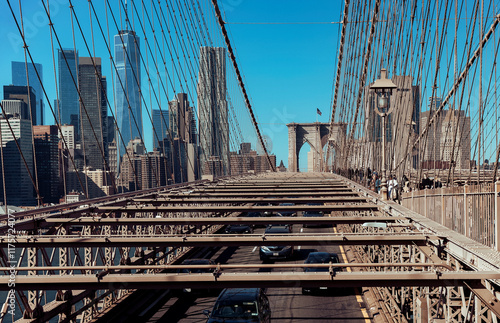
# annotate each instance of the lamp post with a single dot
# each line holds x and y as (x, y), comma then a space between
(383, 89)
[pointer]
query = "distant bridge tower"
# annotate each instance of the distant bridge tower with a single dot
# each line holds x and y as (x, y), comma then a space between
(317, 135)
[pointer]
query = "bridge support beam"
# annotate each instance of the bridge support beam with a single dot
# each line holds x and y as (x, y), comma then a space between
(293, 157)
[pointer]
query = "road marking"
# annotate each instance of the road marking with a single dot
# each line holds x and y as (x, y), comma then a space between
(359, 299)
(254, 248)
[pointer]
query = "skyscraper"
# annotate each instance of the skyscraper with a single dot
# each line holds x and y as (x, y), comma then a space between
(160, 124)
(18, 184)
(17, 92)
(16, 108)
(19, 78)
(212, 108)
(93, 111)
(448, 138)
(127, 89)
(69, 106)
(46, 150)
(185, 149)
(180, 118)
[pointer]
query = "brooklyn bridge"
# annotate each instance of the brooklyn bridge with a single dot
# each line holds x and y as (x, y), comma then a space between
(149, 175)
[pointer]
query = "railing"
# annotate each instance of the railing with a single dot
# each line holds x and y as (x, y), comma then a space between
(472, 210)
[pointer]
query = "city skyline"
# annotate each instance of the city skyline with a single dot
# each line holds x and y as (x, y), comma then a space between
(141, 138)
(266, 110)
(173, 82)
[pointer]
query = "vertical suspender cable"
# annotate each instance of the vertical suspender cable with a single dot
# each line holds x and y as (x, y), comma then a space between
(240, 81)
(337, 78)
(461, 78)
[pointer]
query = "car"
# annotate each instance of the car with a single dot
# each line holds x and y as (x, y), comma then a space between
(287, 212)
(240, 305)
(266, 212)
(313, 214)
(319, 257)
(278, 215)
(196, 261)
(239, 228)
(254, 214)
(267, 253)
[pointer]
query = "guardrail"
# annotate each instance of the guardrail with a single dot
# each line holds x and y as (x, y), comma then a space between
(472, 210)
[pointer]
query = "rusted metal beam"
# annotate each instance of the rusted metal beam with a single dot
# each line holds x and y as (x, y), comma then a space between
(244, 199)
(98, 221)
(226, 220)
(259, 194)
(275, 190)
(238, 208)
(265, 280)
(485, 295)
(117, 199)
(284, 187)
(216, 240)
(174, 268)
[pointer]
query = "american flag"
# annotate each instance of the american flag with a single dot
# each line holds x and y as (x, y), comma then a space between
(318, 111)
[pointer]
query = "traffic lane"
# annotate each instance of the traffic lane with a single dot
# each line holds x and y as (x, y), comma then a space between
(185, 308)
(287, 304)
(290, 305)
(188, 308)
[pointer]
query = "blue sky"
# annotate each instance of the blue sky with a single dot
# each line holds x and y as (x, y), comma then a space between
(288, 68)
(286, 50)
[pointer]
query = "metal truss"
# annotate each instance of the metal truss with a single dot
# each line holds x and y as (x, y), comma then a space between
(79, 261)
(220, 279)
(455, 302)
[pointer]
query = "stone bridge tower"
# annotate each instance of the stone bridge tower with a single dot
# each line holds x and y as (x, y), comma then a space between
(317, 135)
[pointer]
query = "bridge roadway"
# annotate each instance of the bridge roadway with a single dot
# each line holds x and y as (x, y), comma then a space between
(101, 246)
(287, 304)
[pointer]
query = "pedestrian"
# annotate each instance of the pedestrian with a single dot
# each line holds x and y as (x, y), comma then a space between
(426, 183)
(377, 184)
(437, 183)
(392, 185)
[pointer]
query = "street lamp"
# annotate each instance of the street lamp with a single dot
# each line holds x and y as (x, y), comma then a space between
(383, 89)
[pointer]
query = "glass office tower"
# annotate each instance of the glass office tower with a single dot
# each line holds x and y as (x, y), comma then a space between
(19, 78)
(127, 86)
(69, 105)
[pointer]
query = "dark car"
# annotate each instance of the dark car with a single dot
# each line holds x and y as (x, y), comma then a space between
(240, 305)
(276, 252)
(319, 258)
(196, 261)
(239, 228)
(255, 215)
(265, 212)
(313, 214)
(310, 214)
(287, 212)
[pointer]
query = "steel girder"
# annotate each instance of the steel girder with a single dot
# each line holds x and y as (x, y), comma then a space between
(258, 194)
(237, 208)
(243, 199)
(264, 280)
(219, 240)
(98, 221)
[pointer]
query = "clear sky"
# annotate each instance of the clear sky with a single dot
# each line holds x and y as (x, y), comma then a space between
(288, 62)
(288, 66)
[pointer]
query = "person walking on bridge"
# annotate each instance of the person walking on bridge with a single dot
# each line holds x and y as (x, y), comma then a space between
(392, 185)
